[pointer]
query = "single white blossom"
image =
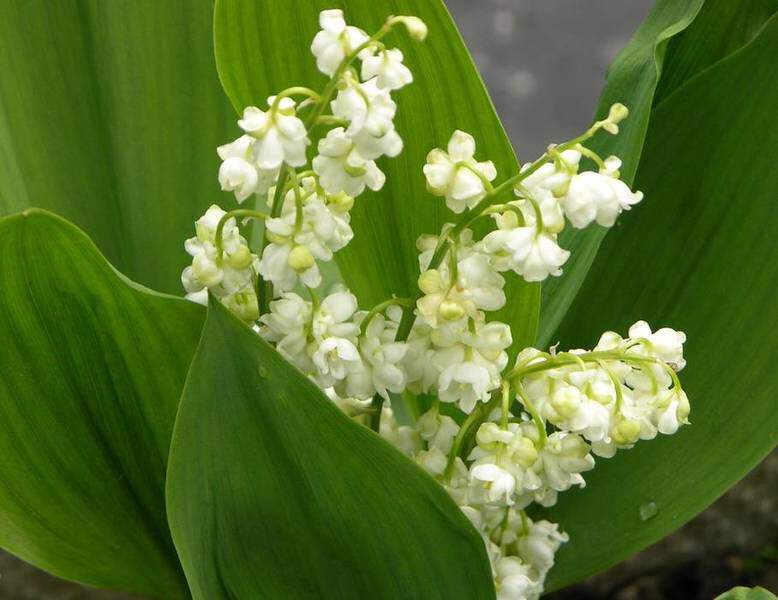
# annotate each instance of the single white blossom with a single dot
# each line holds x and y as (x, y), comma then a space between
(666, 344)
(532, 254)
(341, 168)
(597, 197)
(286, 263)
(469, 362)
(514, 581)
(335, 41)
(539, 544)
(388, 69)
(279, 135)
(456, 175)
(382, 370)
(288, 325)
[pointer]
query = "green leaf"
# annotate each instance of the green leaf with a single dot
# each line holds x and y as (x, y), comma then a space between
(631, 80)
(263, 47)
(720, 28)
(110, 114)
(274, 493)
(744, 593)
(677, 41)
(699, 256)
(92, 367)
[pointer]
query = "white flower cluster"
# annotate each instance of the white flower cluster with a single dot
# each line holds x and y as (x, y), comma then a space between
(350, 352)
(313, 224)
(547, 191)
(228, 272)
(613, 402)
(567, 407)
(498, 437)
(275, 142)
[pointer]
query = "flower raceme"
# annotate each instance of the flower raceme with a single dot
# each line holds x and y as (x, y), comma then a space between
(524, 430)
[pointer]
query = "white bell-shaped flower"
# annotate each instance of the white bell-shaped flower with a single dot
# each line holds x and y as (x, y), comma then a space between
(285, 263)
(671, 411)
(455, 174)
(470, 363)
(388, 69)
(279, 135)
(533, 255)
(562, 459)
(366, 106)
(421, 371)
(237, 173)
(539, 545)
(500, 483)
(382, 358)
(322, 227)
(370, 112)
(514, 580)
(666, 344)
(569, 408)
(334, 346)
(335, 41)
(288, 325)
(478, 287)
(341, 168)
(437, 430)
(597, 197)
(402, 437)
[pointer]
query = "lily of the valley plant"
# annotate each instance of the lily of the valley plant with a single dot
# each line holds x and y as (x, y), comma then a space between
(402, 351)
(499, 435)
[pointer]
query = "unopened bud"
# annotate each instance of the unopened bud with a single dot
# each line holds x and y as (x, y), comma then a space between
(566, 401)
(206, 271)
(451, 311)
(507, 220)
(526, 454)
(274, 237)
(626, 432)
(618, 113)
(342, 201)
(417, 28)
(244, 305)
(430, 282)
(490, 435)
(612, 166)
(241, 258)
(301, 259)
(610, 127)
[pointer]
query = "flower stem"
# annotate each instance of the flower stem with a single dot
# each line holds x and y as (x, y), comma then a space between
(381, 307)
(541, 427)
(238, 212)
(376, 405)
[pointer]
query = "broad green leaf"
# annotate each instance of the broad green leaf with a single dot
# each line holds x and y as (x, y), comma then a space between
(701, 257)
(92, 367)
(110, 114)
(744, 593)
(273, 493)
(677, 41)
(631, 80)
(721, 27)
(263, 47)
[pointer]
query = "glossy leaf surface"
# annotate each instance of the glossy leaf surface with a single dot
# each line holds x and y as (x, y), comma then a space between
(92, 367)
(274, 493)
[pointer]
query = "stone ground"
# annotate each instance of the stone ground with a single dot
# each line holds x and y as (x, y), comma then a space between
(544, 64)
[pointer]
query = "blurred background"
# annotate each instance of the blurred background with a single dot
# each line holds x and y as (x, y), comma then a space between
(544, 63)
